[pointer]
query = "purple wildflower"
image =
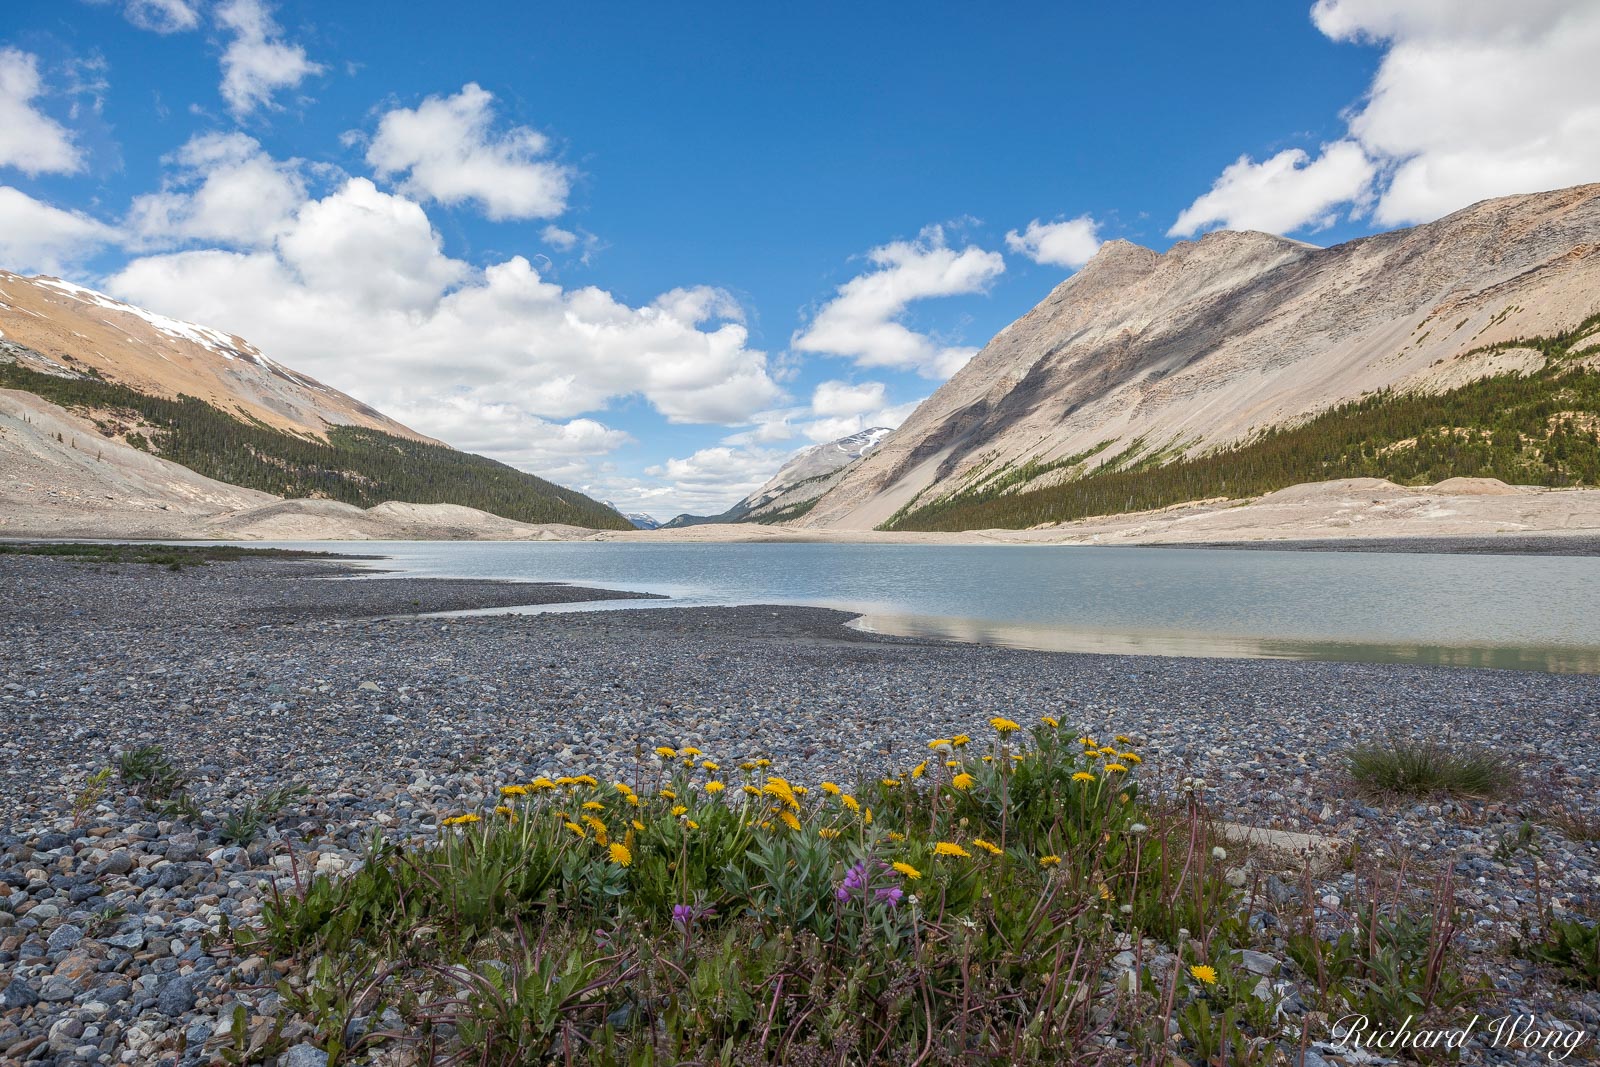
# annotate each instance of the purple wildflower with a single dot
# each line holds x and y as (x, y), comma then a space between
(892, 895)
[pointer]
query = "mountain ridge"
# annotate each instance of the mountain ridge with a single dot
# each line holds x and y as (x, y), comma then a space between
(1223, 337)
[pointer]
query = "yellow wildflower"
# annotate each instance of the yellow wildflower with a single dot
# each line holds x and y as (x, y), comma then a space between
(889, 783)
(827, 833)
(715, 787)
(633, 799)
(1115, 768)
(1082, 776)
(460, 820)
(952, 763)
(689, 751)
(575, 828)
(540, 783)
(959, 740)
(670, 794)
(747, 765)
(801, 791)
(691, 824)
(593, 805)
(920, 769)
(895, 836)
(1049, 861)
(639, 826)
(509, 813)
(789, 820)
(781, 789)
(963, 781)
(939, 744)
(866, 817)
(1123, 739)
(586, 779)
(763, 763)
(667, 753)
(620, 854)
(1203, 973)
(1003, 725)
(623, 787)
(988, 846)
(1105, 891)
(950, 848)
(1130, 757)
(831, 789)
(850, 802)
(1050, 721)
(678, 810)
(909, 871)
(513, 790)
(751, 790)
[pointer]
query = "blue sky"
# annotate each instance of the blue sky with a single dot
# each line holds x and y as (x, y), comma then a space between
(650, 251)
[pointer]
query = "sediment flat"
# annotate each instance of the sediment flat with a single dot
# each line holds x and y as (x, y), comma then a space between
(256, 674)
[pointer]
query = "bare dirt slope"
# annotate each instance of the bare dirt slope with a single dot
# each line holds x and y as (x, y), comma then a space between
(1234, 332)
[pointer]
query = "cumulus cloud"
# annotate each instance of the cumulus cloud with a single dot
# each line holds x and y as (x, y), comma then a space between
(258, 62)
(562, 451)
(707, 482)
(1289, 191)
(30, 141)
(447, 151)
(226, 189)
(862, 321)
(35, 236)
(843, 398)
(1070, 243)
(1472, 99)
(357, 290)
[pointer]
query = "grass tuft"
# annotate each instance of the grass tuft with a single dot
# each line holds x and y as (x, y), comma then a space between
(1430, 768)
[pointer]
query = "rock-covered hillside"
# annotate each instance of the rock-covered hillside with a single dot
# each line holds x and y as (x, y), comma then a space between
(114, 416)
(1144, 359)
(799, 483)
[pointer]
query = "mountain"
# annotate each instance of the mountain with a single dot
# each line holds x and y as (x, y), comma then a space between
(640, 520)
(114, 376)
(799, 483)
(1242, 363)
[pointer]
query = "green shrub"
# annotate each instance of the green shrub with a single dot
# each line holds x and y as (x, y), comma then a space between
(1572, 947)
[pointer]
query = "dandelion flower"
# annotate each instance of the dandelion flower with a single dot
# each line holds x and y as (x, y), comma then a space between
(513, 790)
(889, 783)
(963, 781)
(959, 740)
(988, 846)
(461, 820)
(691, 824)
(639, 826)
(1203, 973)
(586, 779)
(777, 787)
(667, 753)
(715, 787)
(575, 828)
(950, 848)
(1130, 757)
(1049, 861)
(747, 765)
(920, 769)
(850, 802)
(895, 836)
(827, 833)
(633, 799)
(689, 751)
(1003, 725)
(866, 817)
(669, 794)
(593, 805)
(1123, 739)
(909, 871)
(751, 790)
(509, 813)
(763, 763)
(1082, 776)
(623, 787)
(709, 765)
(541, 783)
(1115, 768)
(831, 789)
(678, 810)
(789, 820)
(620, 854)
(940, 744)
(1050, 721)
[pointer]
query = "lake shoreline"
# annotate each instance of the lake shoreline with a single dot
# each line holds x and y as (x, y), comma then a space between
(255, 675)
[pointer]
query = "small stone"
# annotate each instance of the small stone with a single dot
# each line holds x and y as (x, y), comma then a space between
(304, 1055)
(1258, 962)
(19, 994)
(176, 997)
(64, 937)
(119, 862)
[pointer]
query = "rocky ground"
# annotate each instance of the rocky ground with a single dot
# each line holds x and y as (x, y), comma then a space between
(254, 675)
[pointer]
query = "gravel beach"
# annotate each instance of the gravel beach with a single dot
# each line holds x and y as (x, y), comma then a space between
(257, 674)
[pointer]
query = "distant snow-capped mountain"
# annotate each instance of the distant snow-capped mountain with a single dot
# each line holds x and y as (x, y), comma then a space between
(640, 520)
(798, 483)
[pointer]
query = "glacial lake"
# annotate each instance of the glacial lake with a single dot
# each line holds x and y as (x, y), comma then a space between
(1537, 613)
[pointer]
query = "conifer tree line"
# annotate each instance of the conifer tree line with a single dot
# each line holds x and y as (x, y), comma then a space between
(1540, 428)
(355, 464)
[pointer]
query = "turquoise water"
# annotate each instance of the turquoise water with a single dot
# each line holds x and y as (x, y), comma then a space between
(1530, 612)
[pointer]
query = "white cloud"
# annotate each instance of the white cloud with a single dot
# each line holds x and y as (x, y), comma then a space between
(556, 237)
(162, 16)
(448, 152)
(257, 63)
(358, 291)
(227, 189)
(1070, 243)
(862, 321)
(707, 482)
(562, 451)
(35, 236)
(1473, 99)
(1289, 191)
(30, 141)
(842, 398)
